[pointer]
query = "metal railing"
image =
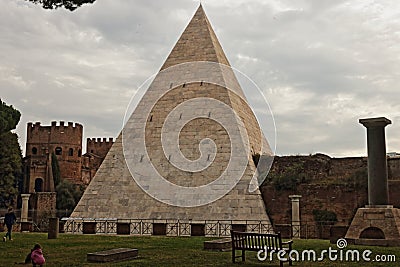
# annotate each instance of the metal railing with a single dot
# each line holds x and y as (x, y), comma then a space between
(212, 228)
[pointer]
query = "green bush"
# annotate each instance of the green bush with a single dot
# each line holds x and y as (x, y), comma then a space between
(324, 216)
(68, 195)
(288, 179)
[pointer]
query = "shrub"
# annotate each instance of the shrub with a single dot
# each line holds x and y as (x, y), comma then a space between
(324, 216)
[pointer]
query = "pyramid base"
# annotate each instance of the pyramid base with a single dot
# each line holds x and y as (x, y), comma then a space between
(208, 228)
(375, 226)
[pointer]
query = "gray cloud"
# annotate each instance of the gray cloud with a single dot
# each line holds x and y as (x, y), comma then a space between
(322, 65)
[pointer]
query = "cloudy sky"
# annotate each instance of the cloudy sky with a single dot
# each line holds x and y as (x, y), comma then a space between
(321, 64)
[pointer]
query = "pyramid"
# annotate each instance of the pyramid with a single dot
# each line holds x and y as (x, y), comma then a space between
(186, 151)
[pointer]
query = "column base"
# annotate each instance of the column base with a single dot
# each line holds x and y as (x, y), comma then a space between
(379, 206)
(26, 226)
(377, 226)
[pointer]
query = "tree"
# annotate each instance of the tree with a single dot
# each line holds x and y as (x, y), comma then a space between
(71, 5)
(68, 195)
(55, 169)
(10, 155)
(324, 216)
(9, 117)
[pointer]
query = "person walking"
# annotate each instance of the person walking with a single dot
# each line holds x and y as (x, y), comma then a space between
(9, 220)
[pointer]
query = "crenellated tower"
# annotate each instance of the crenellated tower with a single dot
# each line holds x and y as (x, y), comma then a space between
(97, 150)
(99, 146)
(65, 141)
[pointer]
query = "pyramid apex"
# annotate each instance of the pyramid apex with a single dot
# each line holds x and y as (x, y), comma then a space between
(200, 12)
(198, 42)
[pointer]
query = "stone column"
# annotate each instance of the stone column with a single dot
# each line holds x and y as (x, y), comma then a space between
(295, 215)
(377, 163)
(25, 207)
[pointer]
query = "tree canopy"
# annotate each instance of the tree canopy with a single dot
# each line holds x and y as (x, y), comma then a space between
(68, 195)
(10, 155)
(56, 169)
(67, 4)
(9, 117)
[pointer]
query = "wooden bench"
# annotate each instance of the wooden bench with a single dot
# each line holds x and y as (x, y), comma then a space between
(255, 242)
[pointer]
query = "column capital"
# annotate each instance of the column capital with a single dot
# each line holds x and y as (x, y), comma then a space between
(25, 195)
(375, 122)
(295, 197)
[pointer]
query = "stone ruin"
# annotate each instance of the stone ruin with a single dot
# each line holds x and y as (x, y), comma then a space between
(378, 223)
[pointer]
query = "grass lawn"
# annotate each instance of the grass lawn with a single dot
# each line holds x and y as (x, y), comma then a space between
(71, 250)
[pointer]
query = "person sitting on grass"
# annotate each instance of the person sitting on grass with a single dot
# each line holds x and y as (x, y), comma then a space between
(36, 256)
(9, 220)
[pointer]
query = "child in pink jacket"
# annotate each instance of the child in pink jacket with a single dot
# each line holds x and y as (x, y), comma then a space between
(37, 256)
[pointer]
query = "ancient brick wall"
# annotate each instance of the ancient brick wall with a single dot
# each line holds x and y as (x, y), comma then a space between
(339, 199)
(394, 168)
(90, 164)
(44, 207)
(344, 167)
(333, 184)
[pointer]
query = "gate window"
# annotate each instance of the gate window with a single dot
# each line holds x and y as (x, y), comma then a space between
(58, 150)
(38, 185)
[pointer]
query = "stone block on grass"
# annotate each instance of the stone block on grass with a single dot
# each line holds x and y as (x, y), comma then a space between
(117, 254)
(224, 244)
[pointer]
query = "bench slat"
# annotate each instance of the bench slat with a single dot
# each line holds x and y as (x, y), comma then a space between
(255, 242)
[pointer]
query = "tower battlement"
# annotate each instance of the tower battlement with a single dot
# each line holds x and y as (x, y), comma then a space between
(99, 146)
(70, 126)
(61, 133)
(100, 141)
